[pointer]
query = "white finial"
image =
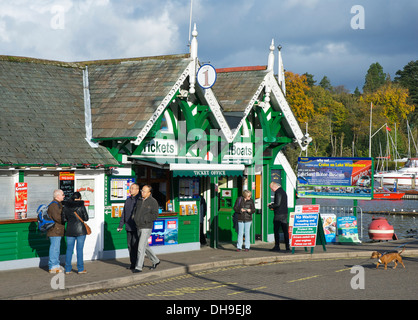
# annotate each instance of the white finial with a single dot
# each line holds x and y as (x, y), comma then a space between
(193, 45)
(270, 65)
(280, 73)
(193, 55)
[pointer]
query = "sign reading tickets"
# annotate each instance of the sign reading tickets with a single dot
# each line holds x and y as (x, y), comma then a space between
(303, 226)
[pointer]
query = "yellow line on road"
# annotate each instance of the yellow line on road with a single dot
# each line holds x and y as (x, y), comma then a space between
(343, 270)
(307, 278)
(230, 294)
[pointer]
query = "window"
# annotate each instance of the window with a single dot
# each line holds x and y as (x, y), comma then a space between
(41, 188)
(7, 197)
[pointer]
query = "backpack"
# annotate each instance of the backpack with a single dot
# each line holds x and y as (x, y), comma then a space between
(44, 221)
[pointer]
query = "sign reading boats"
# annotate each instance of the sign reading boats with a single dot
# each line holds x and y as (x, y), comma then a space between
(161, 147)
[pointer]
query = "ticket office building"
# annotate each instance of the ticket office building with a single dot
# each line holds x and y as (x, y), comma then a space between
(197, 145)
(144, 120)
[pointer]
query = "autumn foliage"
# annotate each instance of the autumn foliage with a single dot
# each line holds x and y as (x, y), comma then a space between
(338, 121)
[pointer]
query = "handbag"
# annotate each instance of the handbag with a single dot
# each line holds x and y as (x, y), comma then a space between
(85, 224)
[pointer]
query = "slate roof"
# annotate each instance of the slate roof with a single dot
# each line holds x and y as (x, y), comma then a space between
(42, 115)
(125, 94)
(235, 87)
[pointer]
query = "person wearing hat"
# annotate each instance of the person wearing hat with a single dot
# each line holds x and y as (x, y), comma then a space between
(279, 206)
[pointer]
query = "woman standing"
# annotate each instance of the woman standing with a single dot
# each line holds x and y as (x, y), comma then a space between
(76, 231)
(244, 207)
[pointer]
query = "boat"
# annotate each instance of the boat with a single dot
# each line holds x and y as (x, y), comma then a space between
(385, 194)
(406, 176)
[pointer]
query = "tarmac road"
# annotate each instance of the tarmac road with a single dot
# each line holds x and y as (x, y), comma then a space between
(333, 278)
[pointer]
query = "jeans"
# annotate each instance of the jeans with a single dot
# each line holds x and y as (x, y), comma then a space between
(244, 227)
(143, 247)
(54, 252)
(69, 254)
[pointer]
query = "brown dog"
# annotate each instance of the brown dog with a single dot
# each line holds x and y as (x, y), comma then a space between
(387, 257)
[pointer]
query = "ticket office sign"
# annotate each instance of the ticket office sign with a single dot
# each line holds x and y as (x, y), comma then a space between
(304, 227)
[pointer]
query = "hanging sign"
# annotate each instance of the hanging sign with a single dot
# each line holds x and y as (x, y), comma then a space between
(303, 226)
(206, 76)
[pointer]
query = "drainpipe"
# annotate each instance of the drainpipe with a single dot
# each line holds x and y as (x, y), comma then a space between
(87, 110)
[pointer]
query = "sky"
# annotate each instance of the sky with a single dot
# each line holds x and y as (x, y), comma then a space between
(339, 39)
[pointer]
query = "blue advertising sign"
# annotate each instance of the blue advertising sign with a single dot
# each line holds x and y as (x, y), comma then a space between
(348, 178)
(164, 232)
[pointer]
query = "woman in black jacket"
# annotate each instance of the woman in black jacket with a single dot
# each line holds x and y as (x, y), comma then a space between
(244, 207)
(76, 231)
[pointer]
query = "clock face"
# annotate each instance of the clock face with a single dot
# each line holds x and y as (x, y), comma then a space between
(206, 76)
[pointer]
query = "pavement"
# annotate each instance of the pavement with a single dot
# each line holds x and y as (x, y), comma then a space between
(37, 283)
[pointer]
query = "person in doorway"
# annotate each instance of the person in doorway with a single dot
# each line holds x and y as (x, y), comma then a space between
(146, 213)
(244, 207)
(56, 232)
(76, 231)
(202, 211)
(130, 226)
(279, 206)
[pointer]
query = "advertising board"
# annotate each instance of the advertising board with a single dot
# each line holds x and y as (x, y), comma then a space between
(338, 178)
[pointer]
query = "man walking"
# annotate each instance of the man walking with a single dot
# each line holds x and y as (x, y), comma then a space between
(280, 215)
(130, 226)
(145, 214)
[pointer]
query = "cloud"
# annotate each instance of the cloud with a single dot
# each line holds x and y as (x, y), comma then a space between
(315, 34)
(72, 30)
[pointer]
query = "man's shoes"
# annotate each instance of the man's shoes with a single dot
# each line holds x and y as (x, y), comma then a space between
(154, 265)
(136, 271)
(277, 249)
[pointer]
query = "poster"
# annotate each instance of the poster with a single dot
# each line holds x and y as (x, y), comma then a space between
(86, 189)
(164, 232)
(119, 188)
(347, 230)
(304, 226)
(329, 223)
(338, 178)
(66, 183)
(21, 200)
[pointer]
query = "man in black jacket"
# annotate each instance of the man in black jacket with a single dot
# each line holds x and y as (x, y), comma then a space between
(127, 220)
(280, 215)
(145, 214)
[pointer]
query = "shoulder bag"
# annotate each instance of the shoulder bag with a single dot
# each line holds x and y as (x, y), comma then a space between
(85, 224)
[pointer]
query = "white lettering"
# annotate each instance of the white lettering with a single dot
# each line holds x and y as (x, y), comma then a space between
(358, 21)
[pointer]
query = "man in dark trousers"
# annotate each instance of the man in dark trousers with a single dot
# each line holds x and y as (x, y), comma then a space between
(127, 220)
(146, 213)
(280, 215)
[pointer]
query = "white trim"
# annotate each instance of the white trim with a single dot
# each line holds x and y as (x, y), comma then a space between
(285, 108)
(161, 108)
(205, 166)
(381, 231)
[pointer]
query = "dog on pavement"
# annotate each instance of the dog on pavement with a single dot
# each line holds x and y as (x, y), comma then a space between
(387, 257)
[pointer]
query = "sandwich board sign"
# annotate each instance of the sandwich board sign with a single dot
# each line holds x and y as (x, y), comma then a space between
(303, 227)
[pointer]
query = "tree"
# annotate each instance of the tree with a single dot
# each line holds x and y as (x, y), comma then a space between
(325, 83)
(296, 94)
(375, 78)
(408, 78)
(394, 100)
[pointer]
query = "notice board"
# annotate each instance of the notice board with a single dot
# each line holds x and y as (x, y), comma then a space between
(303, 226)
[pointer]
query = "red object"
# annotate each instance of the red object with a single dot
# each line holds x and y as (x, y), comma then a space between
(380, 229)
(388, 195)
